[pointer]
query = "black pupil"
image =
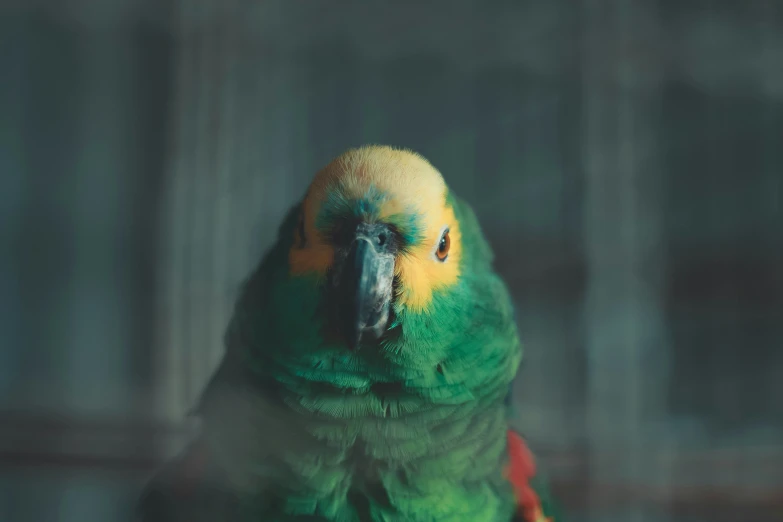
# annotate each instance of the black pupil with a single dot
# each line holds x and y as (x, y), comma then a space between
(443, 245)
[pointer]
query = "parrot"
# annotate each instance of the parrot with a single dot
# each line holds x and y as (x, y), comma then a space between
(367, 370)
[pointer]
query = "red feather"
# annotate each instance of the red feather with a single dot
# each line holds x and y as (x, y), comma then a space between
(521, 468)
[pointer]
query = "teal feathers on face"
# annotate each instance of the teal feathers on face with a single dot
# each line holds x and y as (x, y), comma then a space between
(338, 208)
(410, 428)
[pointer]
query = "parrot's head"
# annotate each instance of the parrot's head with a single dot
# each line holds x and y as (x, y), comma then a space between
(380, 269)
(378, 230)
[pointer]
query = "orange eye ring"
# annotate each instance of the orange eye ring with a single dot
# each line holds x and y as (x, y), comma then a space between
(443, 246)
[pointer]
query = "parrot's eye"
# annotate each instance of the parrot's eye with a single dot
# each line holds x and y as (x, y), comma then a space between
(443, 246)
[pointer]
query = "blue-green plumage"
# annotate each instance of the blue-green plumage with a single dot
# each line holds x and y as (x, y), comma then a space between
(337, 209)
(411, 425)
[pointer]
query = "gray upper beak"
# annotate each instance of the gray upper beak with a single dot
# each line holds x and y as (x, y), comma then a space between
(364, 284)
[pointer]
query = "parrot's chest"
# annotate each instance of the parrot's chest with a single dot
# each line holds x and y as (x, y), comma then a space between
(420, 478)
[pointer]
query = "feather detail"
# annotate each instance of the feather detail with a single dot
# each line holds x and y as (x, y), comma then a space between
(522, 468)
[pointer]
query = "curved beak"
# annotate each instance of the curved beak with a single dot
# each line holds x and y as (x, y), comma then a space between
(363, 283)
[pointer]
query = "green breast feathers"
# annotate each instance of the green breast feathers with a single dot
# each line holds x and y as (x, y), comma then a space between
(367, 362)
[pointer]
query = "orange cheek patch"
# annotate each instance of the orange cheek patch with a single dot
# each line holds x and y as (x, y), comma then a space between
(316, 255)
(316, 258)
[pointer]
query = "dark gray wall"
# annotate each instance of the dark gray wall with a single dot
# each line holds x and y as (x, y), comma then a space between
(83, 107)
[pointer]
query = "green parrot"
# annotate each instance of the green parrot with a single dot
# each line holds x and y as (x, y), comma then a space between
(368, 365)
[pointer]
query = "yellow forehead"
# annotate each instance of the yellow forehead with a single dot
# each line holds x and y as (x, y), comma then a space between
(410, 184)
(408, 179)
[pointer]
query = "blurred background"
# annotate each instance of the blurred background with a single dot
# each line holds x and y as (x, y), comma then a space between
(625, 158)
